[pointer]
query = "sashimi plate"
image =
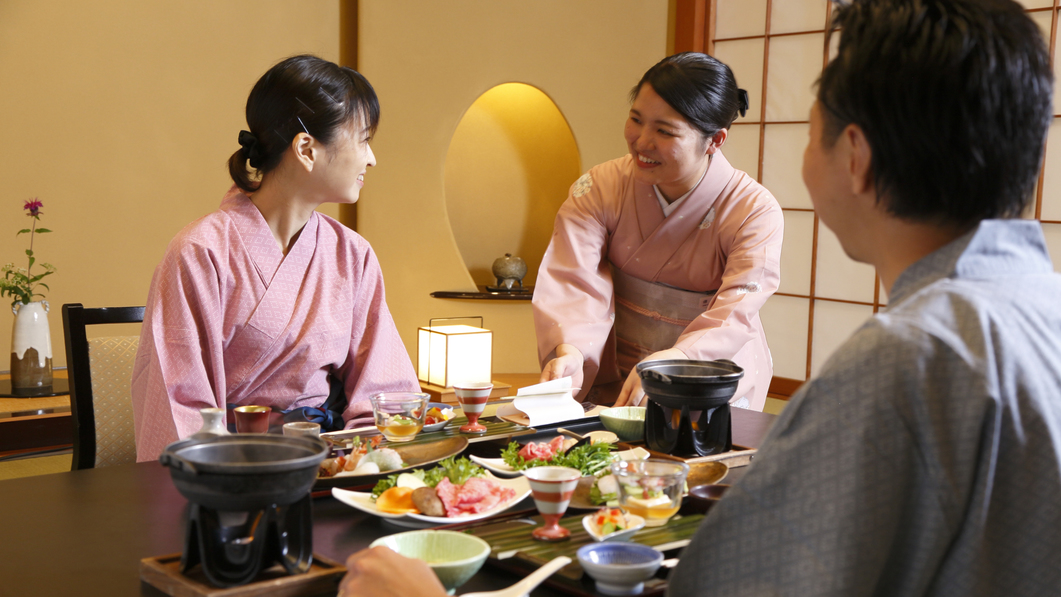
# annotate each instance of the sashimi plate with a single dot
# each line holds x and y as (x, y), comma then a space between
(413, 455)
(501, 469)
(363, 501)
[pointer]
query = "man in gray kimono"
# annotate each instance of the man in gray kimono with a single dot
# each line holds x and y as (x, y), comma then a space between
(925, 458)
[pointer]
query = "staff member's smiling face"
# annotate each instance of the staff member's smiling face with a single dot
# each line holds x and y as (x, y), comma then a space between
(668, 151)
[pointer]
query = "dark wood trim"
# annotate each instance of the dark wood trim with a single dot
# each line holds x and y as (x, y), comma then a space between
(690, 26)
(1052, 44)
(36, 432)
(348, 56)
(783, 388)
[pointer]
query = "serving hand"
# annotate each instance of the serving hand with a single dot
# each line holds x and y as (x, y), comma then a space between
(632, 394)
(380, 572)
(568, 362)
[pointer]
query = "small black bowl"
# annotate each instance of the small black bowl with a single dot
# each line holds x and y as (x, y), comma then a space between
(702, 497)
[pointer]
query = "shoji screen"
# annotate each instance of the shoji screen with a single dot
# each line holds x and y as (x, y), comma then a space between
(777, 49)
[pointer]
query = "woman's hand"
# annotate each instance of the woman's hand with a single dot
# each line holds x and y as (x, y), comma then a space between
(380, 572)
(632, 394)
(568, 362)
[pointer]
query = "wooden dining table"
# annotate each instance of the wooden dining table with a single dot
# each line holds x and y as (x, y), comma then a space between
(85, 532)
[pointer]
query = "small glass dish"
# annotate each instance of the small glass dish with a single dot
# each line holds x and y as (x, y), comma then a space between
(399, 415)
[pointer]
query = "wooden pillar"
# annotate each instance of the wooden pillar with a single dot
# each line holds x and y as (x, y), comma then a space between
(694, 25)
(348, 57)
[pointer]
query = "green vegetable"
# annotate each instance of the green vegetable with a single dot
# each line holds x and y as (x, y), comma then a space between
(588, 458)
(458, 470)
(599, 499)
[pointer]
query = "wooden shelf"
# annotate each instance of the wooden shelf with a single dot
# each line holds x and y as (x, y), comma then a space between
(485, 293)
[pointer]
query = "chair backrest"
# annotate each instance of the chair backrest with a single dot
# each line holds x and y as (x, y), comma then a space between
(100, 373)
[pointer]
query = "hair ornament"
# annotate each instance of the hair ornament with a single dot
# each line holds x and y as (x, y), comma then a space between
(742, 100)
(251, 148)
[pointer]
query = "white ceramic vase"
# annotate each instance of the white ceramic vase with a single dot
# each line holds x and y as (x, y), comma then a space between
(31, 346)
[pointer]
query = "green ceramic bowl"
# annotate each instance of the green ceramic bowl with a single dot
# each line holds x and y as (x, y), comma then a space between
(628, 422)
(455, 557)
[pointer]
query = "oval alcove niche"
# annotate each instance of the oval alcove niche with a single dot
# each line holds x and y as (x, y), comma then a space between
(508, 169)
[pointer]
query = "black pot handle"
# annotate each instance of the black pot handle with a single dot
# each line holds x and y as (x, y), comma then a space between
(176, 462)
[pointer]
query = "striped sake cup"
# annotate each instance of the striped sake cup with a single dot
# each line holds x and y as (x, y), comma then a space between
(473, 398)
(552, 488)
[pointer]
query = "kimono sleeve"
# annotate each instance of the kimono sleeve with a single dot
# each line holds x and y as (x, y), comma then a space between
(377, 361)
(179, 365)
(573, 294)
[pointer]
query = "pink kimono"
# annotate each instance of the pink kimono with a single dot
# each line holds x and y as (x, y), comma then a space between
(231, 320)
(693, 280)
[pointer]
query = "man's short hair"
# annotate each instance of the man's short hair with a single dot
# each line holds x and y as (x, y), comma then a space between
(954, 97)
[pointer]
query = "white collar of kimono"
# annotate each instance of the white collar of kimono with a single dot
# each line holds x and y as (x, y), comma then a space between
(670, 207)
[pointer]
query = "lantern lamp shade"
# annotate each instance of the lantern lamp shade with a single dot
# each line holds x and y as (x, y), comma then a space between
(450, 354)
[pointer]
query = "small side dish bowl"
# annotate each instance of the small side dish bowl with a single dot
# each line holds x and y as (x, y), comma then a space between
(634, 523)
(455, 557)
(702, 497)
(437, 426)
(628, 422)
(619, 568)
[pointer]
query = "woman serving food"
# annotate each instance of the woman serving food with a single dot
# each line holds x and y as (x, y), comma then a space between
(666, 253)
(266, 301)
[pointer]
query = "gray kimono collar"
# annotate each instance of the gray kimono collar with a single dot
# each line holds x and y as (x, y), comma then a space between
(993, 248)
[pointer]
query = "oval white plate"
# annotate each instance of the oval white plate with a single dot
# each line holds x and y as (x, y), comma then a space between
(363, 501)
(501, 469)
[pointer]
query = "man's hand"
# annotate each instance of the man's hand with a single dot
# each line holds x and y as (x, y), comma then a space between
(632, 394)
(568, 362)
(380, 572)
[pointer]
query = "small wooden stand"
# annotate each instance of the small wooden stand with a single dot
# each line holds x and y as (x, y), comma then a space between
(163, 573)
(449, 396)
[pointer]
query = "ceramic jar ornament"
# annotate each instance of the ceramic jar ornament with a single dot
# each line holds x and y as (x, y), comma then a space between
(509, 271)
(31, 347)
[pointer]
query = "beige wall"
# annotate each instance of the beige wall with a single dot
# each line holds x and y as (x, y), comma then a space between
(120, 115)
(429, 61)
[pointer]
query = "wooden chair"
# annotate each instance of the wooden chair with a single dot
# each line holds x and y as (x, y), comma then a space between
(100, 372)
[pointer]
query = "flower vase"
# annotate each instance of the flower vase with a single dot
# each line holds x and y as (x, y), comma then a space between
(31, 347)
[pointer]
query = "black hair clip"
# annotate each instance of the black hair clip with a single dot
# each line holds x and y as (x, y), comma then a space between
(251, 148)
(742, 99)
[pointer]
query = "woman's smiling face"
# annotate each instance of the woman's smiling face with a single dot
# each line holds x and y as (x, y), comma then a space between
(668, 151)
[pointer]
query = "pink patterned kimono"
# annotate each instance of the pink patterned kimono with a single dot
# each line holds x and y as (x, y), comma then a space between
(695, 279)
(231, 320)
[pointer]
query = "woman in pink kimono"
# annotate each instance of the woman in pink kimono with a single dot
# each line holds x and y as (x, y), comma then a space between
(266, 301)
(666, 253)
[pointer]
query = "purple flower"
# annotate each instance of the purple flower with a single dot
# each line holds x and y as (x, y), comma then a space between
(33, 207)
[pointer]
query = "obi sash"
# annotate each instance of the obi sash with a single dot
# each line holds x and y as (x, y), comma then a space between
(649, 317)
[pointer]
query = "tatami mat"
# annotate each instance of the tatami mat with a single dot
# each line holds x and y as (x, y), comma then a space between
(41, 465)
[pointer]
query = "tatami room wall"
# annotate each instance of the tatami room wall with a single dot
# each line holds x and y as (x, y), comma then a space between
(120, 116)
(429, 62)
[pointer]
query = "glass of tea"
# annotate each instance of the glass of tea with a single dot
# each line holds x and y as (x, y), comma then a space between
(651, 489)
(399, 415)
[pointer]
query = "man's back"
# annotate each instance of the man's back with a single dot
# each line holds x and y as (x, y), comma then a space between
(925, 458)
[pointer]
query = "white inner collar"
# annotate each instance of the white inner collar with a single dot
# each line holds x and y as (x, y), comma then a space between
(669, 208)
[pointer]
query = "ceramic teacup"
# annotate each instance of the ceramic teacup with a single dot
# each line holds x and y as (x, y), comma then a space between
(473, 398)
(552, 488)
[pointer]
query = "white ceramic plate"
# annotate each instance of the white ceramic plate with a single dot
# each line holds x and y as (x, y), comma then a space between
(634, 524)
(363, 501)
(499, 468)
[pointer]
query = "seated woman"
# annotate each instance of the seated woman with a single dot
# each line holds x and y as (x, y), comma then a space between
(667, 253)
(266, 301)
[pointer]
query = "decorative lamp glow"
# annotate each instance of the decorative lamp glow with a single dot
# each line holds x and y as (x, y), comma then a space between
(449, 354)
